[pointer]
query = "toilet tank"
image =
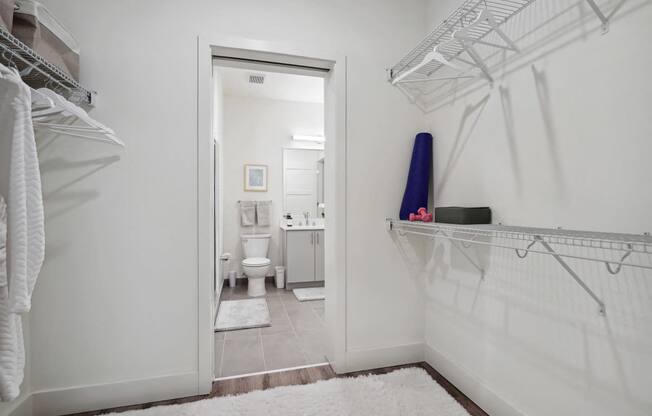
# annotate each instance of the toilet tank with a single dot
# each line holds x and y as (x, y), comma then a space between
(255, 245)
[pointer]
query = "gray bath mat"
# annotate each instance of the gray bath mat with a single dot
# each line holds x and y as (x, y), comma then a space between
(310, 293)
(242, 314)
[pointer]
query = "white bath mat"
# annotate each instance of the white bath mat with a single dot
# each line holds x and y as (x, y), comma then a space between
(409, 391)
(241, 314)
(310, 293)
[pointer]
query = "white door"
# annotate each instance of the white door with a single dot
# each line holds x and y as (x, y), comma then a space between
(300, 246)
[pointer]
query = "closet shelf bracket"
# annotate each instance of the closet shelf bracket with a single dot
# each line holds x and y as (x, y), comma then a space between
(601, 307)
(603, 18)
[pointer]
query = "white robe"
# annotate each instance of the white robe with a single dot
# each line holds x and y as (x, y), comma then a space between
(25, 236)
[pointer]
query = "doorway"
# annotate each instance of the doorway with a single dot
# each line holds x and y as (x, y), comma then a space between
(235, 54)
(269, 127)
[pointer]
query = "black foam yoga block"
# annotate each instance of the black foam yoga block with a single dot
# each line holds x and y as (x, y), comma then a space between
(462, 215)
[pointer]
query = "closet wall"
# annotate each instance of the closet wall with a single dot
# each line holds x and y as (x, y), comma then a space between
(562, 139)
(115, 309)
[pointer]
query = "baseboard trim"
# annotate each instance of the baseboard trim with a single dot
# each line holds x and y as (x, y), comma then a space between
(105, 396)
(357, 360)
(21, 407)
(474, 388)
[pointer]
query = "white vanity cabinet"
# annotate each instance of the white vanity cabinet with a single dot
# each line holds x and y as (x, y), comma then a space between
(303, 256)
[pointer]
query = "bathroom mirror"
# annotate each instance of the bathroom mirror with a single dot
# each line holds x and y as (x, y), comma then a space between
(303, 182)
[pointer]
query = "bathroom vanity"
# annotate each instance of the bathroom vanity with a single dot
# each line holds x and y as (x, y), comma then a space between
(302, 249)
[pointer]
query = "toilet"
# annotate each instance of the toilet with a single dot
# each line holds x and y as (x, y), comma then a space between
(255, 264)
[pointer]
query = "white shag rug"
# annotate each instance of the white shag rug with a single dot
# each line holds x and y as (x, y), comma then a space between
(310, 293)
(409, 392)
(242, 314)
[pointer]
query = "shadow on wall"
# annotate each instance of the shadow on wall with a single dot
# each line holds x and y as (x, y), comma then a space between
(467, 125)
(510, 131)
(534, 312)
(543, 28)
(63, 177)
(543, 95)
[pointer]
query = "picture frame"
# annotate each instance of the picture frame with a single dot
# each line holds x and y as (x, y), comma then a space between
(255, 178)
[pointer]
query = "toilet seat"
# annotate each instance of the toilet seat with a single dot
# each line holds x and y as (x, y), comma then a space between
(256, 262)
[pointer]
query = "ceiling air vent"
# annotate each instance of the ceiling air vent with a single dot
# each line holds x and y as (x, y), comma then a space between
(256, 78)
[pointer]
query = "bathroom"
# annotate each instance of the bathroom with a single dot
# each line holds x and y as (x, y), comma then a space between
(269, 159)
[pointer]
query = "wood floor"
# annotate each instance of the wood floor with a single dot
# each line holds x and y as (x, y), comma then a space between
(300, 376)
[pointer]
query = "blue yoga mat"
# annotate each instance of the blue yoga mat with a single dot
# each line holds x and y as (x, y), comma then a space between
(418, 183)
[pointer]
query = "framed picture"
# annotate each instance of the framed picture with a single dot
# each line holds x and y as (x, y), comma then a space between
(255, 178)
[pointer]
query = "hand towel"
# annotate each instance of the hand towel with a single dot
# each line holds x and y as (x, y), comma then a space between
(263, 209)
(25, 229)
(247, 213)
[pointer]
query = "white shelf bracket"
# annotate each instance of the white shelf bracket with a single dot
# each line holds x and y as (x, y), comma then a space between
(601, 307)
(463, 36)
(603, 18)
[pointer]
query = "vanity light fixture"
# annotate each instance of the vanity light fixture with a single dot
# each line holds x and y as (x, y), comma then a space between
(306, 138)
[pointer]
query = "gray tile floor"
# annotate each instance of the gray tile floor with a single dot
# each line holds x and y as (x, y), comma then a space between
(296, 337)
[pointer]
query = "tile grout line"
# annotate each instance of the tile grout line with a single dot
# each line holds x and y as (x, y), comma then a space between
(294, 332)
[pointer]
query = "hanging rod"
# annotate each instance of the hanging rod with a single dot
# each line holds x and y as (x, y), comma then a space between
(38, 72)
(524, 239)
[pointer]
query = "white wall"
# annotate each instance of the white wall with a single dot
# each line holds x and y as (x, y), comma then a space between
(255, 132)
(116, 304)
(563, 140)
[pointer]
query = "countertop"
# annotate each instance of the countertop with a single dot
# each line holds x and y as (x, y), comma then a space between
(296, 227)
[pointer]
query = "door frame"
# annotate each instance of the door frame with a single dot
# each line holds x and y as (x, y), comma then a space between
(335, 123)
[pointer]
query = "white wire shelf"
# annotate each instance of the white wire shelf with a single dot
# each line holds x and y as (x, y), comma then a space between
(518, 238)
(37, 72)
(613, 249)
(460, 48)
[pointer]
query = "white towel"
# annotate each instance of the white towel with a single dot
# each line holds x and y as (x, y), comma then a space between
(247, 213)
(3, 245)
(12, 352)
(263, 209)
(25, 231)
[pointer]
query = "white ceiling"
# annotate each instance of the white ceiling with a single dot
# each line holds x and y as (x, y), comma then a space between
(277, 86)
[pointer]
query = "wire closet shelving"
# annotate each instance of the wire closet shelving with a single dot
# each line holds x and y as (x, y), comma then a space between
(628, 248)
(38, 72)
(457, 49)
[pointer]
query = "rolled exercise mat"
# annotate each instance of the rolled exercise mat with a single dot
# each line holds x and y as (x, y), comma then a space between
(418, 183)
